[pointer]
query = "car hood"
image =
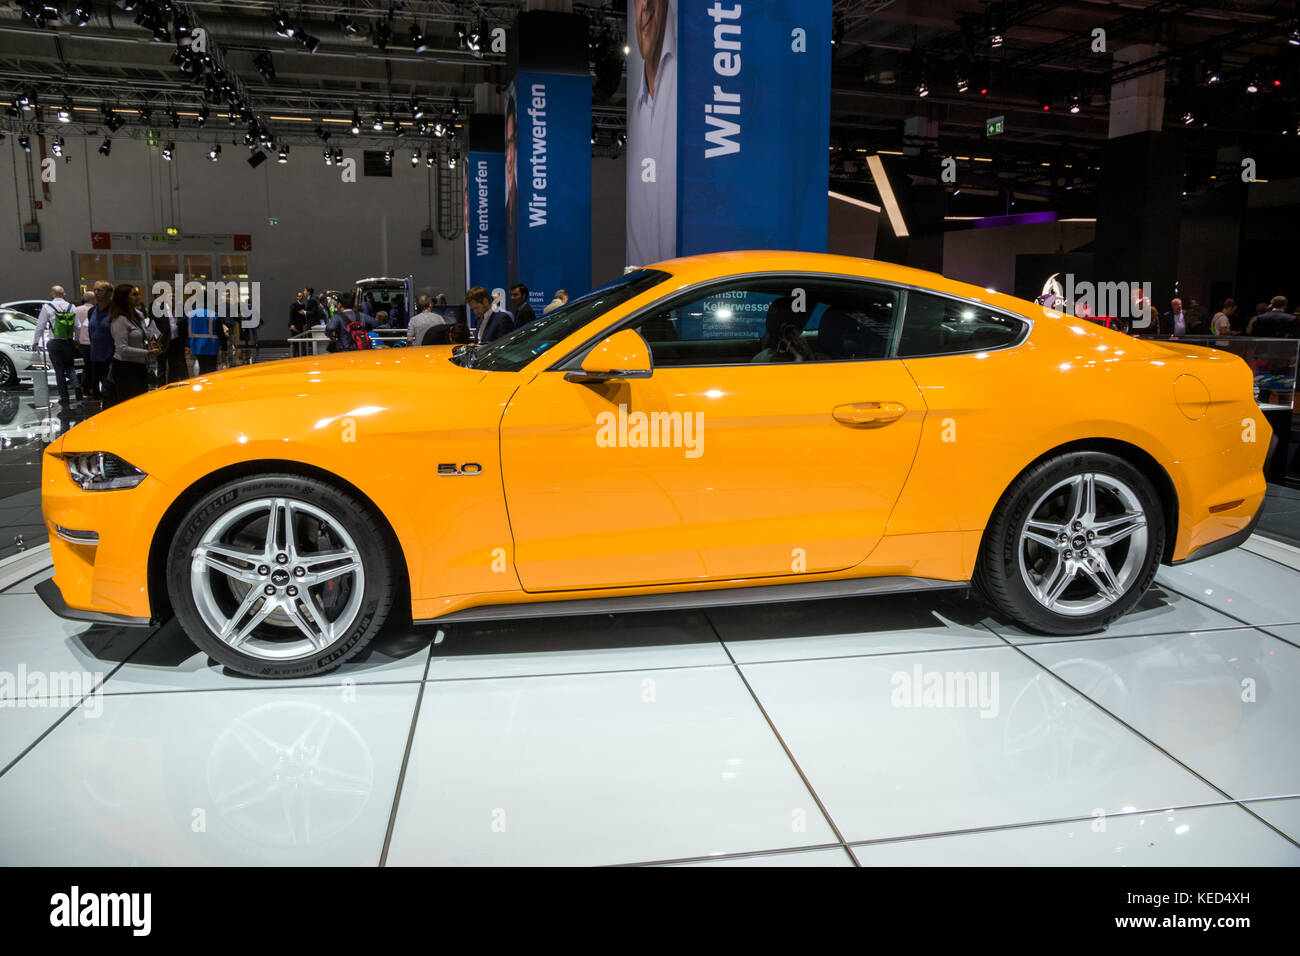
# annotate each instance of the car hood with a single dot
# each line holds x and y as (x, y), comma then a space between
(323, 381)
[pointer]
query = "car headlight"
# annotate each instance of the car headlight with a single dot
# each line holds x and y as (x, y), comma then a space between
(24, 347)
(100, 471)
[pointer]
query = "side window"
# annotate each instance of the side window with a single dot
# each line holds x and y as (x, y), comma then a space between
(936, 325)
(774, 320)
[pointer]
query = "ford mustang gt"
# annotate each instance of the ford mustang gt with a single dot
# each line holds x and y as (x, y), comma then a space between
(731, 428)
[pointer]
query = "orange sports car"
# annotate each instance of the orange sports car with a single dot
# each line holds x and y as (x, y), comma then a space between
(730, 428)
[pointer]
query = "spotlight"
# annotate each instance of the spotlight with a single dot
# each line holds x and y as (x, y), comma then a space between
(347, 24)
(265, 65)
(309, 43)
(323, 133)
(963, 83)
(214, 153)
(378, 124)
(182, 24)
(65, 112)
(56, 147)
(1212, 76)
(418, 43)
(921, 88)
(1075, 102)
(284, 155)
(112, 121)
(417, 111)
(440, 129)
(388, 157)
(837, 29)
(202, 119)
(329, 157)
(146, 115)
(338, 156)
(175, 118)
(383, 32)
(169, 151)
(415, 158)
(1253, 86)
(23, 100)
(1294, 39)
(26, 143)
(356, 123)
(428, 161)
(593, 136)
(451, 161)
(80, 14)
(1189, 118)
(105, 147)
(474, 38)
(626, 49)
(283, 28)
(620, 140)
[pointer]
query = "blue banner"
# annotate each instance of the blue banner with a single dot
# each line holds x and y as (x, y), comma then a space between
(485, 221)
(548, 184)
(728, 126)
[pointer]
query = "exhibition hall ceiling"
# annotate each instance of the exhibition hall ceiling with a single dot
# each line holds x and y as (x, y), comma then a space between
(306, 69)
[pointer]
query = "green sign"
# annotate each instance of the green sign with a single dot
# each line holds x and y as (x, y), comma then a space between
(995, 125)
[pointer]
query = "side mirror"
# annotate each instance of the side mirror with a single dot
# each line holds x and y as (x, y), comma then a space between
(622, 355)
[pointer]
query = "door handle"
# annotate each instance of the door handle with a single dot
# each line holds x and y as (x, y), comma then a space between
(869, 413)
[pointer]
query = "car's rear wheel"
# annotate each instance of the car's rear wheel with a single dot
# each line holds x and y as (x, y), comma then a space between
(8, 374)
(1074, 543)
(280, 576)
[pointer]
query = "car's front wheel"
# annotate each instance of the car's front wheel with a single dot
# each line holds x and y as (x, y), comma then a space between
(280, 576)
(8, 374)
(1074, 543)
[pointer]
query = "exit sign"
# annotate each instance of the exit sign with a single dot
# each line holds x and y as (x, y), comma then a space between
(995, 126)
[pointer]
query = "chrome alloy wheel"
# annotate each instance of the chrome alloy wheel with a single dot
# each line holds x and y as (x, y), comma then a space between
(277, 579)
(1083, 544)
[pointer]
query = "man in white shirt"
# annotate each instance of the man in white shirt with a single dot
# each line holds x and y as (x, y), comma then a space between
(652, 136)
(56, 331)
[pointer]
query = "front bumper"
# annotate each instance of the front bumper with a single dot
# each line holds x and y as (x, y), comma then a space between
(49, 592)
(106, 575)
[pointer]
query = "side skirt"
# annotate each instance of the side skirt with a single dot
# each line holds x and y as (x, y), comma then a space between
(715, 597)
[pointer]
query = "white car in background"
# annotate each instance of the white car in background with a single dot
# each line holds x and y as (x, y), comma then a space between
(17, 354)
(30, 307)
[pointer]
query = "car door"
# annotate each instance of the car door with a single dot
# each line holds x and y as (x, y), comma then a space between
(733, 459)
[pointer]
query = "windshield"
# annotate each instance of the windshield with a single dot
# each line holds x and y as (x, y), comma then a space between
(15, 322)
(512, 352)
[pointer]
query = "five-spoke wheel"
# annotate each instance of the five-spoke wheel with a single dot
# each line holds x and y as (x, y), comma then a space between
(1073, 544)
(279, 575)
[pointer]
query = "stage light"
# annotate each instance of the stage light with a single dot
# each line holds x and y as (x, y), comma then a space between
(105, 147)
(837, 29)
(80, 14)
(146, 115)
(921, 88)
(26, 143)
(415, 158)
(57, 147)
(329, 156)
(417, 111)
(428, 161)
(168, 151)
(1294, 39)
(323, 133)
(284, 155)
(378, 123)
(65, 112)
(439, 129)
(995, 40)
(309, 43)
(963, 83)
(593, 136)
(283, 28)
(202, 119)
(1189, 118)
(1252, 86)
(418, 43)
(383, 33)
(265, 65)
(112, 121)
(1075, 102)
(451, 161)
(214, 154)
(356, 123)
(348, 25)
(175, 118)
(398, 129)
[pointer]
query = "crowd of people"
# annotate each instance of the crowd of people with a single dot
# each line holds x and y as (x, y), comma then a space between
(1270, 319)
(124, 348)
(347, 322)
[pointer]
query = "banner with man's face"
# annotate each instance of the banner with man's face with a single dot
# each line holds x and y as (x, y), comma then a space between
(728, 126)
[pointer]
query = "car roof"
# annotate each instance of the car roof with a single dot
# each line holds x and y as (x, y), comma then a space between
(720, 264)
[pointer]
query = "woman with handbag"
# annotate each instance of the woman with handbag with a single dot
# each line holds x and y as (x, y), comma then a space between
(132, 344)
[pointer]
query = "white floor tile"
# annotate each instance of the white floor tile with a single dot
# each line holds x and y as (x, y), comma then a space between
(851, 626)
(564, 645)
(33, 641)
(1248, 587)
(20, 726)
(1161, 611)
(1288, 632)
(597, 769)
(294, 777)
(1201, 836)
(1283, 814)
(889, 763)
(835, 857)
(1222, 702)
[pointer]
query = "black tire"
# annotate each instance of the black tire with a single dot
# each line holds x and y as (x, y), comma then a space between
(8, 374)
(370, 603)
(999, 573)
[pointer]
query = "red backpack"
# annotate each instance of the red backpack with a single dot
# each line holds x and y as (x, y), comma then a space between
(356, 330)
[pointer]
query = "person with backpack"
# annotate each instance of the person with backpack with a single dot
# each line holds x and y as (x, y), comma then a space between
(59, 318)
(346, 329)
